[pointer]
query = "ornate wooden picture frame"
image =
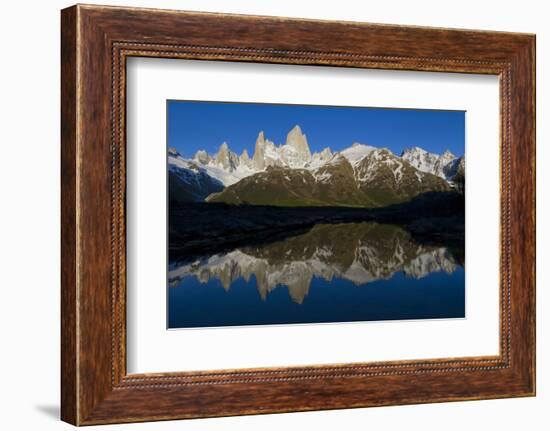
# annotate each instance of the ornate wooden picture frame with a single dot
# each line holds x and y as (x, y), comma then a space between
(96, 41)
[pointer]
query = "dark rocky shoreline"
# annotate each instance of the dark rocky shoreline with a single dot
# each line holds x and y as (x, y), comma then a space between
(198, 229)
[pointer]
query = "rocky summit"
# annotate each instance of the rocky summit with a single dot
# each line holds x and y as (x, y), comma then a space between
(440, 165)
(295, 152)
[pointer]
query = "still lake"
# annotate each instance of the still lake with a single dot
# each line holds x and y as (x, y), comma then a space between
(333, 273)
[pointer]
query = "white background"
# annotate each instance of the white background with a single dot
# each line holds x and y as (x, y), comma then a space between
(29, 225)
(151, 348)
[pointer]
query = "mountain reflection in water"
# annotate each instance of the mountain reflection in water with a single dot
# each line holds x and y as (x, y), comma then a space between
(356, 253)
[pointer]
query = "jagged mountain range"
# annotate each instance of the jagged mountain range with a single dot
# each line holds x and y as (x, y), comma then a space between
(291, 175)
(359, 252)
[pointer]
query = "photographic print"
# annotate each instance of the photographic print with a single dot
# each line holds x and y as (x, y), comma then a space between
(302, 214)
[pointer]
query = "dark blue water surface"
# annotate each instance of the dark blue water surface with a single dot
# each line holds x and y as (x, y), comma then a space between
(439, 295)
(384, 276)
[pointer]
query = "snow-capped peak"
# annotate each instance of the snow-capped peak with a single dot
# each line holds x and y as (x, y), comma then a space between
(226, 158)
(429, 162)
(202, 156)
(448, 154)
(336, 159)
(356, 152)
(173, 152)
(295, 153)
(417, 152)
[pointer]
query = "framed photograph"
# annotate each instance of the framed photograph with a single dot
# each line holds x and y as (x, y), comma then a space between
(350, 230)
(266, 215)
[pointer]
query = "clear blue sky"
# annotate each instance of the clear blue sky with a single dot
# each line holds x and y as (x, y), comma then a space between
(205, 125)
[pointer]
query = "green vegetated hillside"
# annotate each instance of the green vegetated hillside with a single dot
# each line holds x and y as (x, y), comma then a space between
(379, 179)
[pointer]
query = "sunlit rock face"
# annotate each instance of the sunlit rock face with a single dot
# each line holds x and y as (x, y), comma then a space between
(442, 165)
(295, 153)
(357, 252)
(225, 158)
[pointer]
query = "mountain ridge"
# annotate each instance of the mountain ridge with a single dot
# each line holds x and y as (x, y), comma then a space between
(290, 174)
